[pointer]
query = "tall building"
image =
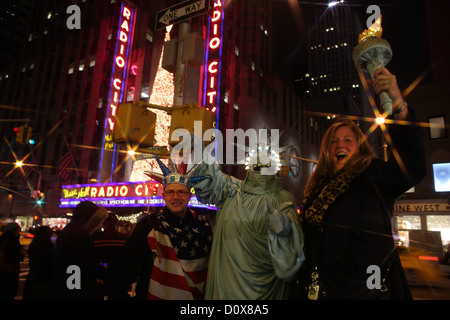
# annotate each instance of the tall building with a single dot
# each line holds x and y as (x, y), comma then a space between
(426, 208)
(330, 44)
(252, 95)
(13, 22)
(69, 82)
(333, 84)
(63, 81)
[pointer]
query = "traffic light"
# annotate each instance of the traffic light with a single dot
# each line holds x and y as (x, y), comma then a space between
(29, 133)
(19, 134)
(135, 125)
(38, 197)
(184, 117)
(23, 134)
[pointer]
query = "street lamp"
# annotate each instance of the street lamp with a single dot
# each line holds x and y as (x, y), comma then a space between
(333, 3)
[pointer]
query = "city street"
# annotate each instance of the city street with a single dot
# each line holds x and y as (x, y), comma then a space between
(434, 291)
(24, 268)
(324, 122)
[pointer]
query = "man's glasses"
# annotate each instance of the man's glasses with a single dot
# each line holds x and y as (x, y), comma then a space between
(180, 193)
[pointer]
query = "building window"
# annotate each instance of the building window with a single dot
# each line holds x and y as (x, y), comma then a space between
(408, 222)
(92, 62)
(441, 173)
(81, 65)
(145, 91)
(437, 127)
(440, 223)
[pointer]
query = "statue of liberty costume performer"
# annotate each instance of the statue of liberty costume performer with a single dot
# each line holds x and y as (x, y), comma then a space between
(257, 244)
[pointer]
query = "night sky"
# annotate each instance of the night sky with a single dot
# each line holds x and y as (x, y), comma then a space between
(404, 26)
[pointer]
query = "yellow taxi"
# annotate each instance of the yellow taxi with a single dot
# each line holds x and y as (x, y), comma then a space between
(421, 267)
(25, 238)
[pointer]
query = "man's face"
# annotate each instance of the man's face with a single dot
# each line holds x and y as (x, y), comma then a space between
(177, 196)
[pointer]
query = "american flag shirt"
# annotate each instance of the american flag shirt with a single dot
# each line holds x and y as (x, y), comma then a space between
(181, 247)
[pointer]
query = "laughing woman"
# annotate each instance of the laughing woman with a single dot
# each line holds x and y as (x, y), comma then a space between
(348, 204)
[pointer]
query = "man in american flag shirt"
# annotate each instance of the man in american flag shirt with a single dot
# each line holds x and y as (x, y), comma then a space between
(167, 254)
(180, 242)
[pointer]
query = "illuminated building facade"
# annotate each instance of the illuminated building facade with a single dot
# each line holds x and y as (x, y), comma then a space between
(332, 79)
(330, 45)
(70, 82)
(252, 95)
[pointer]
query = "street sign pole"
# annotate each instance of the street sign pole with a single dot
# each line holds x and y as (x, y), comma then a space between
(181, 11)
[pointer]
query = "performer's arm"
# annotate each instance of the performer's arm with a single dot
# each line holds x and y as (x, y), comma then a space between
(285, 239)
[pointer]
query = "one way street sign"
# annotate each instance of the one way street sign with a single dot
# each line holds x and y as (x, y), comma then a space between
(181, 11)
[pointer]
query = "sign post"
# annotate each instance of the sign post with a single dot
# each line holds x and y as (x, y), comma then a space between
(180, 12)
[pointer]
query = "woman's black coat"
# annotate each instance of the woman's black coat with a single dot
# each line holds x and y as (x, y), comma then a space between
(358, 231)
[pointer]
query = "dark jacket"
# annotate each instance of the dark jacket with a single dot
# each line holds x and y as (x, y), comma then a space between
(357, 226)
(40, 255)
(136, 263)
(75, 247)
(9, 265)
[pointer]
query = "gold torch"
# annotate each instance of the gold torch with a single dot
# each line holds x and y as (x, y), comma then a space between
(372, 53)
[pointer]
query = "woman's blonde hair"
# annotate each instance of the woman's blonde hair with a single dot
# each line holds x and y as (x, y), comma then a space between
(357, 162)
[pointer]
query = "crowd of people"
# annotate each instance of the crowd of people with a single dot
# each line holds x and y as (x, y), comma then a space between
(259, 248)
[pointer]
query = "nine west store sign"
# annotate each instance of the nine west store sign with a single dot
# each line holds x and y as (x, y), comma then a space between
(421, 207)
(428, 215)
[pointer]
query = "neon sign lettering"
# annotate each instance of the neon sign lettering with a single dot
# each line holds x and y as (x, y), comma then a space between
(120, 194)
(120, 67)
(213, 58)
(118, 75)
(110, 190)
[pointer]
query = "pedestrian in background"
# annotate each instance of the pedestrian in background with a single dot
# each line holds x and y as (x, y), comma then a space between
(109, 243)
(10, 258)
(347, 209)
(75, 247)
(40, 254)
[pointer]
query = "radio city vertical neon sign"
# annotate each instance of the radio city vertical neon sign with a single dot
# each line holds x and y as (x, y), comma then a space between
(213, 58)
(118, 76)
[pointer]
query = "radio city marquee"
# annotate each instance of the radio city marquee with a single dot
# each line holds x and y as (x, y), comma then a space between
(120, 194)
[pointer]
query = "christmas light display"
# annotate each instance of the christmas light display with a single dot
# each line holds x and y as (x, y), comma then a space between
(162, 95)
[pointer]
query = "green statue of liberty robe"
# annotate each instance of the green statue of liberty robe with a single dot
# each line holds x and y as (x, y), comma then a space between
(248, 261)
